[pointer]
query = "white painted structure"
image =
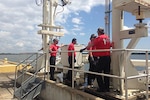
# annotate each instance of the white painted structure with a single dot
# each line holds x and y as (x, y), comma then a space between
(120, 60)
(64, 55)
(49, 29)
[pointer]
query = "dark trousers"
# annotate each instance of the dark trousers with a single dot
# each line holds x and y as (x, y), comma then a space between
(103, 66)
(52, 69)
(69, 74)
(92, 68)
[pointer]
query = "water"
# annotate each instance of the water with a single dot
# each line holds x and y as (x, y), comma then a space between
(139, 56)
(133, 56)
(17, 57)
(142, 57)
(22, 56)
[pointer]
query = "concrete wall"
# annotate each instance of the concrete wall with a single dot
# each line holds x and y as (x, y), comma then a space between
(58, 91)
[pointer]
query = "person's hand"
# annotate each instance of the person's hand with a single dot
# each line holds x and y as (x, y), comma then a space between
(81, 50)
(94, 64)
(92, 60)
(40, 49)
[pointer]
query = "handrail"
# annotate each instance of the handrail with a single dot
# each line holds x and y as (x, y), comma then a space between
(146, 52)
(23, 72)
(16, 70)
(32, 76)
(89, 72)
(27, 65)
(125, 78)
(31, 90)
(24, 60)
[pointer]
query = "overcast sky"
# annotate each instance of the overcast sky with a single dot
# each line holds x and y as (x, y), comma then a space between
(19, 22)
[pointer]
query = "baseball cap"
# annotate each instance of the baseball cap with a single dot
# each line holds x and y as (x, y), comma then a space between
(74, 39)
(100, 29)
(93, 36)
(55, 40)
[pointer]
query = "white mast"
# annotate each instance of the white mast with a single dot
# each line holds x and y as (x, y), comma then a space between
(117, 25)
(49, 29)
(141, 11)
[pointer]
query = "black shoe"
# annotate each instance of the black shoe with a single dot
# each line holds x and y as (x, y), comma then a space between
(100, 90)
(107, 90)
(67, 82)
(53, 79)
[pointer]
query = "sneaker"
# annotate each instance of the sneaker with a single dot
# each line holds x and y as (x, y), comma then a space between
(90, 86)
(81, 87)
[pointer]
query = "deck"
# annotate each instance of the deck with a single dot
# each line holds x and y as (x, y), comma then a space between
(6, 86)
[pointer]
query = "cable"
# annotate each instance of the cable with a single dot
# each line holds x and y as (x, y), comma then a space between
(60, 11)
(38, 2)
(62, 5)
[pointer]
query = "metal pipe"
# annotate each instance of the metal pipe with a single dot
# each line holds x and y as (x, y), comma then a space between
(126, 73)
(73, 64)
(147, 77)
(117, 25)
(107, 17)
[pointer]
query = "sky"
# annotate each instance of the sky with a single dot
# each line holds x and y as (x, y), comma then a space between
(19, 22)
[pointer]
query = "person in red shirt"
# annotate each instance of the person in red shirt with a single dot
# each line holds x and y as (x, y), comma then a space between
(70, 57)
(91, 77)
(53, 52)
(102, 59)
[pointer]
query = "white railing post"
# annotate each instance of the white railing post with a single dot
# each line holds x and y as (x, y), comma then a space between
(147, 76)
(125, 77)
(73, 68)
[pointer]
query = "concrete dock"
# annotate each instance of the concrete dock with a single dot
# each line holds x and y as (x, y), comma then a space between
(6, 86)
(7, 77)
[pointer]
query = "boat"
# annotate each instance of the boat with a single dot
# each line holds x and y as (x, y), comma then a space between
(127, 83)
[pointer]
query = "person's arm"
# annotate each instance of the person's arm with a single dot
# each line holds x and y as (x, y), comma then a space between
(50, 49)
(41, 49)
(90, 52)
(58, 47)
(87, 47)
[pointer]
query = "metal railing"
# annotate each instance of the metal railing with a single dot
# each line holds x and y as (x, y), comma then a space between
(126, 53)
(25, 69)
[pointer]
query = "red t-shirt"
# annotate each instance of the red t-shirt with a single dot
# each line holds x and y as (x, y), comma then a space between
(71, 48)
(54, 49)
(102, 42)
